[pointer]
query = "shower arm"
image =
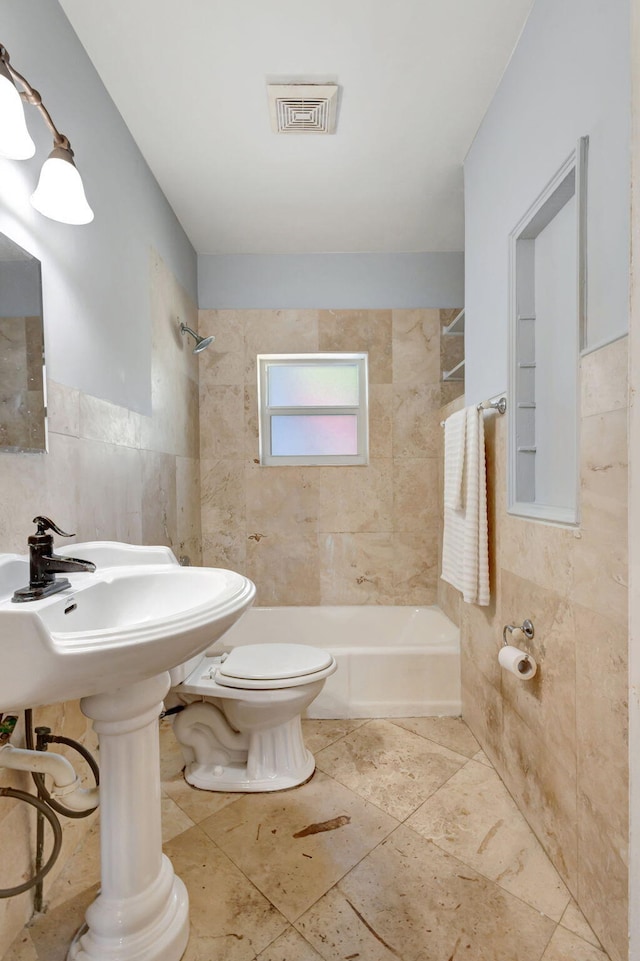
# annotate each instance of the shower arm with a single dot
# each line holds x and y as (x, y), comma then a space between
(201, 342)
(187, 330)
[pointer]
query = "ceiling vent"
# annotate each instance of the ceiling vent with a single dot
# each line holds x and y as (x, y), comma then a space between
(303, 107)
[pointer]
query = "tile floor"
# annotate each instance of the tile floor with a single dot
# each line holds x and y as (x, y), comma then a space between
(404, 845)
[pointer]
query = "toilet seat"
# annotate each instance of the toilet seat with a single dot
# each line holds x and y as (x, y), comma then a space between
(267, 666)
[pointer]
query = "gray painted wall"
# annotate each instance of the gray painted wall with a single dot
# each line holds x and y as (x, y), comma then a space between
(569, 77)
(95, 278)
(325, 281)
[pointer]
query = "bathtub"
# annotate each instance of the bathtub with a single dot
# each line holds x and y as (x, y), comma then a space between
(392, 661)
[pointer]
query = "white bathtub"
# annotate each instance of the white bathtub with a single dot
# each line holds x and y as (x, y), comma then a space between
(392, 661)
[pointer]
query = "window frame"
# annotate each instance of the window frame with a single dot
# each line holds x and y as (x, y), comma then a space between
(266, 411)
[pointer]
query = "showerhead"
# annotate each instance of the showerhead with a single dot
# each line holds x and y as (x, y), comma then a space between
(201, 342)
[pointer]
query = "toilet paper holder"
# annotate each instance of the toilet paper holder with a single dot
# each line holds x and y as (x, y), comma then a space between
(526, 627)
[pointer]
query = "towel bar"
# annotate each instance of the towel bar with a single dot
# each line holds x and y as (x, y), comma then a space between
(500, 405)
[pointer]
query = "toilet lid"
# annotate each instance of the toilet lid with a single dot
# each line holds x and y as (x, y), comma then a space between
(273, 662)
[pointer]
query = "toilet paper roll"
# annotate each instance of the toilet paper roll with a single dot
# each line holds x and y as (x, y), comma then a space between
(518, 662)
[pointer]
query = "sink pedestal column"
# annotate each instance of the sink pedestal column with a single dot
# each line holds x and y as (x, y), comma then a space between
(142, 911)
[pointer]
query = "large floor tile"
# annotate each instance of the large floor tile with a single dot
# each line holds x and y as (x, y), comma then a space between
(451, 732)
(295, 845)
(230, 919)
(410, 900)
(565, 946)
(23, 949)
(53, 932)
(339, 930)
(196, 804)
(474, 818)
(319, 734)
(391, 767)
(80, 872)
(174, 820)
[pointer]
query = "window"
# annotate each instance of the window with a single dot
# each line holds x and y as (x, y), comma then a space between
(313, 409)
(548, 307)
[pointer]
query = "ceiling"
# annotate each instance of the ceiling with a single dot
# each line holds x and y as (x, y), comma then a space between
(416, 78)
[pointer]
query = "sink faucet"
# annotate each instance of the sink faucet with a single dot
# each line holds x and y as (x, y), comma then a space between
(44, 564)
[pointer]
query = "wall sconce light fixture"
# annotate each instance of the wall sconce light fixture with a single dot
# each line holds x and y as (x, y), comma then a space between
(60, 193)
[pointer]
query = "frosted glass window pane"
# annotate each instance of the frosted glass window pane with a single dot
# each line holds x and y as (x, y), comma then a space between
(313, 385)
(303, 436)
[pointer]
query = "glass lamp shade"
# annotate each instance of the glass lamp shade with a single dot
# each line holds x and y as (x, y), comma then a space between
(60, 193)
(15, 142)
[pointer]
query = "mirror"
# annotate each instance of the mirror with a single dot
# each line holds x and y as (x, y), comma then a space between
(22, 374)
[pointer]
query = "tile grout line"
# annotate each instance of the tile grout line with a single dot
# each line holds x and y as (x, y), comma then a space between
(340, 737)
(432, 740)
(289, 926)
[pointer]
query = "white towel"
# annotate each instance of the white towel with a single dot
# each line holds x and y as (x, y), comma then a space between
(454, 444)
(465, 548)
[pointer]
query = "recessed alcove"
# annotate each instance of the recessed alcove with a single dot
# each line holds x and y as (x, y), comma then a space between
(547, 309)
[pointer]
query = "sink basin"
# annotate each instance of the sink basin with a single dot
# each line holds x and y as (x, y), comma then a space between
(110, 639)
(138, 617)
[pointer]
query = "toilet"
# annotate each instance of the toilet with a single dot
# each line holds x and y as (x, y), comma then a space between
(241, 727)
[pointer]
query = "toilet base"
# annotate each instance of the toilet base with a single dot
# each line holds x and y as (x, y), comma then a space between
(234, 777)
(263, 758)
(245, 740)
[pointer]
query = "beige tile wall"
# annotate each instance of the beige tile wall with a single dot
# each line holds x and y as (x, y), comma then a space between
(332, 535)
(560, 741)
(110, 474)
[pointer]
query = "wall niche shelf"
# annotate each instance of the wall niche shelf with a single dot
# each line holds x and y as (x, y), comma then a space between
(451, 353)
(455, 374)
(456, 327)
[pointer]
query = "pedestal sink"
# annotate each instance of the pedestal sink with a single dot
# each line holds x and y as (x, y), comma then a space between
(110, 639)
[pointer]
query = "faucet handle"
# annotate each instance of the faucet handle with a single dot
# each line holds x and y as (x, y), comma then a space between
(46, 524)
